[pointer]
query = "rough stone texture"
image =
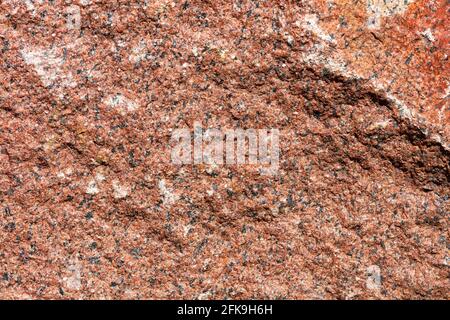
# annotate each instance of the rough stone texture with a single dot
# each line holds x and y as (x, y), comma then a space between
(91, 206)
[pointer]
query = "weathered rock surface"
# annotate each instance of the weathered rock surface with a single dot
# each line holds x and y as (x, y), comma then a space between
(92, 207)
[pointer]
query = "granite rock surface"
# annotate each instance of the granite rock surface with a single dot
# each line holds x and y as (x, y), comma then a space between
(92, 207)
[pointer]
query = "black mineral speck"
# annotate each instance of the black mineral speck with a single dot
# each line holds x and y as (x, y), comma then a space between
(10, 227)
(290, 201)
(94, 260)
(136, 253)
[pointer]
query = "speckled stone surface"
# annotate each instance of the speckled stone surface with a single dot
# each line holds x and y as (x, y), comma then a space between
(93, 208)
